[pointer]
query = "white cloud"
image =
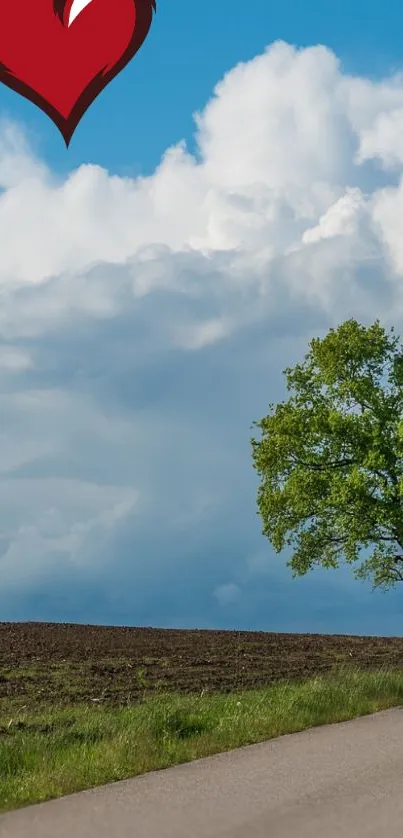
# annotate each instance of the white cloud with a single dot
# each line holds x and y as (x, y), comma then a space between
(144, 324)
(340, 219)
(387, 205)
(227, 594)
(14, 359)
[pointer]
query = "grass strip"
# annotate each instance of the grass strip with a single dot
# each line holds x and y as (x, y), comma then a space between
(59, 751)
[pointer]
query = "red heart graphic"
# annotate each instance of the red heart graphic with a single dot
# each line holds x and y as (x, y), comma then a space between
(60, 54)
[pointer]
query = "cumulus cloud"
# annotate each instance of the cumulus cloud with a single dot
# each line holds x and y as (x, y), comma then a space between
(145, 323)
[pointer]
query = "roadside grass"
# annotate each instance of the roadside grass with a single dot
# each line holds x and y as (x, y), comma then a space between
(61, 750)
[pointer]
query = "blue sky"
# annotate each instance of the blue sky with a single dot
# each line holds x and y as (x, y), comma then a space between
(145, 323)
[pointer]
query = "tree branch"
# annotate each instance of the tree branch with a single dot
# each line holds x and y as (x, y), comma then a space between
(324, 466)
(392, 575)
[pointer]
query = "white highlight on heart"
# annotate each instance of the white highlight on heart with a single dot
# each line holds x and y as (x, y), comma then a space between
(76, 8)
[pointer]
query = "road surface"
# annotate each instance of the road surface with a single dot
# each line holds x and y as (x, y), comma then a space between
(337, 781)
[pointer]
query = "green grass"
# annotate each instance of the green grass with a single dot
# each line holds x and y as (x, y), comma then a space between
(63, 750)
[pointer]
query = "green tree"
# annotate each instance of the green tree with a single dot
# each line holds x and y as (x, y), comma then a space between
(330, 459)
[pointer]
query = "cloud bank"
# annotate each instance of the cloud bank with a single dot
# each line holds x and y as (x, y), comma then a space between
(145, 324)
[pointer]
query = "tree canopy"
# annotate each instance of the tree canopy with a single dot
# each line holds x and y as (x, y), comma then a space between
(330, 459)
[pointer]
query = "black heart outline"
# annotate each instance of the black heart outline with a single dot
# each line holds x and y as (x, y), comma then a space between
(67, 125)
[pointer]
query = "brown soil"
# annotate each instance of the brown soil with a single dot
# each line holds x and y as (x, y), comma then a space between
(52, 663)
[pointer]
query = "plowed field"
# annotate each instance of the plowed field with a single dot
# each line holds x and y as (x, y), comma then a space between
(42, 663)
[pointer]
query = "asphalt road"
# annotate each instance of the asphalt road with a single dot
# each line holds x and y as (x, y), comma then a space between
(338, 781)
